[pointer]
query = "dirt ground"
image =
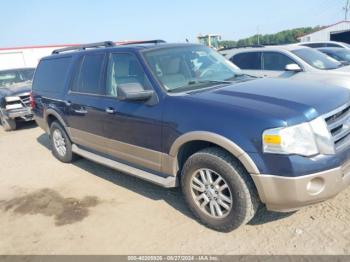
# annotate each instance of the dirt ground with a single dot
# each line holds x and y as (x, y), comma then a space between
(47, 207)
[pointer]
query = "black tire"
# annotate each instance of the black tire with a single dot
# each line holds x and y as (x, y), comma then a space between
(69, 156)
(8, 124)
(244, 194)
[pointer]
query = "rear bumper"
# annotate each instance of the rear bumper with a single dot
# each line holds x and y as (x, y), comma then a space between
(285, 194)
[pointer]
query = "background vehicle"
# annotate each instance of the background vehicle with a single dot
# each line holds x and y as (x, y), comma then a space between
(182, 114)
(294, 62)
(15, 87)
(339, 54)
(325, 44)
(210, 40)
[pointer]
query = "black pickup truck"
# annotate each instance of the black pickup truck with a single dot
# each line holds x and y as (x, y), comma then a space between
(15, 87)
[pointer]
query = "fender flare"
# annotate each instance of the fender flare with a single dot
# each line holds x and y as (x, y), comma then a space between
(53, 112)
(219, 140)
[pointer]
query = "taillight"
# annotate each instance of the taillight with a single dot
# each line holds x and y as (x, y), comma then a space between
(32, 101)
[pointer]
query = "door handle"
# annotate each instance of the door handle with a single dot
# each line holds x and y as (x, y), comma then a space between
(110, 110)
(81, 111)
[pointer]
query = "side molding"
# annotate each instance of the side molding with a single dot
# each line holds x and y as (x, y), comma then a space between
(219, 140)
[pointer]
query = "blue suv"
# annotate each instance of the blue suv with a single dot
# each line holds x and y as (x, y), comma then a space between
(181, 114)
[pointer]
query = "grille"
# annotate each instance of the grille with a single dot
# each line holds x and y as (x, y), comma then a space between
(338, 123)
(25, 99)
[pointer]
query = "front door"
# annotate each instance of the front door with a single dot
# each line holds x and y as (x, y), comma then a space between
(274, 65)
(133, 128)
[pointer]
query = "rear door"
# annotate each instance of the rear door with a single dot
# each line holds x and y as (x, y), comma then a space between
(249, 62)
(274, 64)
(86, 110)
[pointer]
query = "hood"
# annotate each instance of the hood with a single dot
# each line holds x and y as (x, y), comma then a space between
(344, 69)
(14, 90)
(289, 101)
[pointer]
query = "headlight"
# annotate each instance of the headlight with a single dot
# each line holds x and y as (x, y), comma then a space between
(12, 98)
(305, 139)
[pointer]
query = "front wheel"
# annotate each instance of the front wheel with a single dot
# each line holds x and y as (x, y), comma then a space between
(8, 124)
(218, 190)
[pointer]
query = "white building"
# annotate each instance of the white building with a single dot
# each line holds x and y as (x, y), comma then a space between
(336, 32)
(28, 56)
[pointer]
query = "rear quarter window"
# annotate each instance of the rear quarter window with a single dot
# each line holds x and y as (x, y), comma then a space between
(51, 74)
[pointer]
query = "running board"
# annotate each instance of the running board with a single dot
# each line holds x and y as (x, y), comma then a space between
(169, 181)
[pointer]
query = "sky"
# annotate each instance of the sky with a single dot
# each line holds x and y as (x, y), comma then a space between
(45, 22)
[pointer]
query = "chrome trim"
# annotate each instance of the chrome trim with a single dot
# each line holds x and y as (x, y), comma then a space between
(343, 122)
(167, 182)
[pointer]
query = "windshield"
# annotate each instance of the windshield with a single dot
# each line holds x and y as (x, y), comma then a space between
(317, 59)
(11, 77)
(190, 67)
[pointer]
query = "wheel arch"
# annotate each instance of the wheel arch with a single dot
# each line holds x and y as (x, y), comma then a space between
(212, 139)
(52, 115)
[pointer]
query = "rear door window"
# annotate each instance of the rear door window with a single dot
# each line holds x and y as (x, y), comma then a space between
(248, 61)
(88, 79)
(276, 61)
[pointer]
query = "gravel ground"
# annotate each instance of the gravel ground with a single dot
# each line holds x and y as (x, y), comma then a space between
(47, 207)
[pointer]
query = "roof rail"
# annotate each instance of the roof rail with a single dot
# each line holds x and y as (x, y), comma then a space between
(83, 47)
(156, 41)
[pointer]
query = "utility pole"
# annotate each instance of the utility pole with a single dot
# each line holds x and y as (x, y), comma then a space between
(258, 33)
(346, 9)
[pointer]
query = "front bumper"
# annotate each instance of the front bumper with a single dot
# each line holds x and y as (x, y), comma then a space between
(286, 194)
(24, 113)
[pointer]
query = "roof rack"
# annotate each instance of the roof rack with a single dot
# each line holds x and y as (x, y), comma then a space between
(83, 47)
(156, 41)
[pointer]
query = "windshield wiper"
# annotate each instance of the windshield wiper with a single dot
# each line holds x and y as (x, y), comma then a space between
(214, 81)
(248, 75)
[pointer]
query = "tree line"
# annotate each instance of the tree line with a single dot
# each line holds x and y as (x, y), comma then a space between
(280, 38)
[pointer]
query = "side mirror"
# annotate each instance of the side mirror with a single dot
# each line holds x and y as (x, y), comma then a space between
(133, 92)
(293, 68)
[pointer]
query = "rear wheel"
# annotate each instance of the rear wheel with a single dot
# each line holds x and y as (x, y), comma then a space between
(61, 144)
(218, 190)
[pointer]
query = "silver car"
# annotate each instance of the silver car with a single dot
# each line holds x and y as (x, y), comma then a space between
(321, 44)
(290, 61)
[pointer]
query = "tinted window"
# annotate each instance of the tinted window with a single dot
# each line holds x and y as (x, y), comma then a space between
(89, 75)
(332, 45)
(315, 45)
(276, 61)
(124, 69)
(317, 59)
(248, 61)
(51, 74)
